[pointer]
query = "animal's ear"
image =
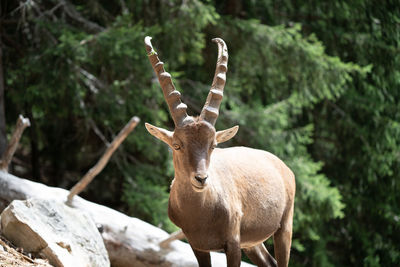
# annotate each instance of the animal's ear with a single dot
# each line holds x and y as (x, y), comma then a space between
(160, 133)
(227, 134)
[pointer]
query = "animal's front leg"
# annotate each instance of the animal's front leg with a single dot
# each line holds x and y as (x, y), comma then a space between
(233, 253)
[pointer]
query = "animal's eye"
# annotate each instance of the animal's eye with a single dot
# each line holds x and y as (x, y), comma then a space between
(213, 146)
(176, 146)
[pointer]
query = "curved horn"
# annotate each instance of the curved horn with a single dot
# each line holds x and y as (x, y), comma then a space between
(171, 95)
(210, 110)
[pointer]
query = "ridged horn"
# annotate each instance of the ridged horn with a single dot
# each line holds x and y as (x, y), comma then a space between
(210, 110)
(171, 95)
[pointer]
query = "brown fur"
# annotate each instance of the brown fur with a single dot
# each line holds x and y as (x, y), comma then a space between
(247, 198)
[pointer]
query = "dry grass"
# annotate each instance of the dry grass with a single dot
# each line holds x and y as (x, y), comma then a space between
(11, 256)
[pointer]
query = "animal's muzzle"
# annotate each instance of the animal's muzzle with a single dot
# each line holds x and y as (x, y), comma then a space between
(201, 178)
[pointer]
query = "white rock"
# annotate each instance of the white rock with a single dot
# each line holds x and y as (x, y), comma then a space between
(67, 237)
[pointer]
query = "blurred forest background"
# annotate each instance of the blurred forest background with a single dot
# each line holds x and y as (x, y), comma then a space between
(315, 82)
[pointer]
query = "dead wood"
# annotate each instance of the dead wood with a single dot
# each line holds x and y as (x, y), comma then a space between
(22, 123)
(178, 235)
(95, 170)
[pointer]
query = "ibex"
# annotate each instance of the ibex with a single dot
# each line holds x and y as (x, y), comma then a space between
(223, 199)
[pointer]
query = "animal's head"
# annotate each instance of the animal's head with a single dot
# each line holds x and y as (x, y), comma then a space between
(193, 139)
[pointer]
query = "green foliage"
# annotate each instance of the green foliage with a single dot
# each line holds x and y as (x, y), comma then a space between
(357, 135)
(147, 198)
(315, 83)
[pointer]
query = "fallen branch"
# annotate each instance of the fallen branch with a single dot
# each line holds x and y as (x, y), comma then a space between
(178, 235)
(95, 170)
(22, 123)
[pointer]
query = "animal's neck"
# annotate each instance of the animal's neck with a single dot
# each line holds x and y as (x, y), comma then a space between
(186, 205)
(183, 189)
(185, 198)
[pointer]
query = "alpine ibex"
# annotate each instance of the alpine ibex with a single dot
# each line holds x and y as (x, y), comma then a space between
(223, 199)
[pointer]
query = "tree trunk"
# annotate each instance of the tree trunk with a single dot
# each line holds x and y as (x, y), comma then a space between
(3, 135)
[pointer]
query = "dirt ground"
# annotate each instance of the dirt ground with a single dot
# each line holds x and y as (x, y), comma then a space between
(10, 256)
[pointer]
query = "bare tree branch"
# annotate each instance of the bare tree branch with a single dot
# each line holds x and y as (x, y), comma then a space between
(178, 235)
(90, 80)
(98, 132)
(95, 170)
(89, 26)
(22, 123)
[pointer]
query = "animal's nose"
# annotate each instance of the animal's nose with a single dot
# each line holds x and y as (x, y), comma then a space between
(201, 178)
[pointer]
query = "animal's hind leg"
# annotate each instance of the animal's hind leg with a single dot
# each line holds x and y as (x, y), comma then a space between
(260, 256)
(203, 258)
(283, 239)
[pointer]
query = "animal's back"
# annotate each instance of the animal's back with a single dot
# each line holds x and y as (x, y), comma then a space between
(261, 182)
